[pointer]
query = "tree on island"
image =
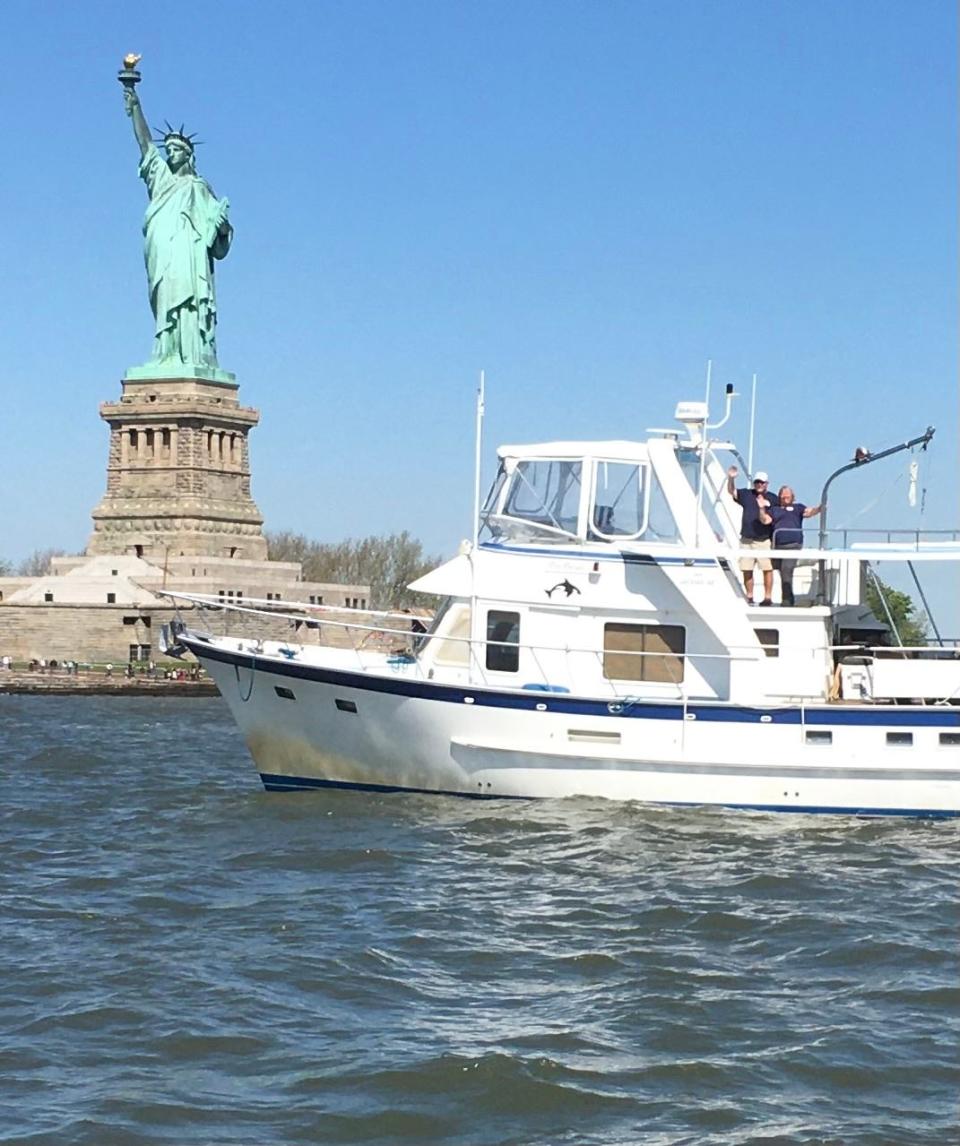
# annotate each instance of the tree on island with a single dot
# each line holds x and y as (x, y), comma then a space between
(910, 623)
(36, 565)
(387, 564)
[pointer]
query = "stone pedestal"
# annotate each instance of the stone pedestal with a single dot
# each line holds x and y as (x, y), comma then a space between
(178, 474)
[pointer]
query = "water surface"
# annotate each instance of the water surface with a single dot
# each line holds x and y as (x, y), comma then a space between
(188, 959)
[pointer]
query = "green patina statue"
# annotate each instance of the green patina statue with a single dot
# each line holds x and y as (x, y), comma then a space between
(185, 229)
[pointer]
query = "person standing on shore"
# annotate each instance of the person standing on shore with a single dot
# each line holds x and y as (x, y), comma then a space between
(754, 532)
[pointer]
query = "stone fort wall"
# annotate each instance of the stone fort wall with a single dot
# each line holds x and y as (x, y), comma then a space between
(98, 634)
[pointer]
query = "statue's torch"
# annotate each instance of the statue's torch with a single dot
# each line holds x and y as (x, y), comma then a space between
(128, 74)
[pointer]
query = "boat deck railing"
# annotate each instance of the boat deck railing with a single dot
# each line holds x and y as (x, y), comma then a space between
(842, 538)
(405, 651)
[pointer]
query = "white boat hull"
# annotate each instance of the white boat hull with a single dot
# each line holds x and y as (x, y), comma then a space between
(311, 726)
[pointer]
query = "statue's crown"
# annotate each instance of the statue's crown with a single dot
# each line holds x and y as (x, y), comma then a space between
(187, 138)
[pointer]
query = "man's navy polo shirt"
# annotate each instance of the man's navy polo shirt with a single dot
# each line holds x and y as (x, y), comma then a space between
(751, 527)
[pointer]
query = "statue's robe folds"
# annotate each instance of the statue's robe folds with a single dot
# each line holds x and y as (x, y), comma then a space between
(181, 240)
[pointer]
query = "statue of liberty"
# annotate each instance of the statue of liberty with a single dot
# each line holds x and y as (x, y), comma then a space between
(185, 229)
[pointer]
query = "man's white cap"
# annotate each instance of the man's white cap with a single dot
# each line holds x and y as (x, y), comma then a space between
(761, 476)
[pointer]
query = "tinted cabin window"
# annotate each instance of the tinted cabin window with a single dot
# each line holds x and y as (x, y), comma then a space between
(644, 652)
(503, 641)
(770, 639)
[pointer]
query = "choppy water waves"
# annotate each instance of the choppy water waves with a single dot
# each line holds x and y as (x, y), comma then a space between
(188, 959)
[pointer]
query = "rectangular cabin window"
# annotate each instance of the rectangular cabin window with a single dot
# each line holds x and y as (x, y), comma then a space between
(644, 652)
(902, 739)
(770, 639)
(503, 641)
(950, 739)
(818, 736)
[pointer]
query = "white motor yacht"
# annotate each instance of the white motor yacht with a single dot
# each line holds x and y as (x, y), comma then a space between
(595, 639)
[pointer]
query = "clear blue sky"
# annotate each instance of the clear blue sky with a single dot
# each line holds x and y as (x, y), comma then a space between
(587, 200)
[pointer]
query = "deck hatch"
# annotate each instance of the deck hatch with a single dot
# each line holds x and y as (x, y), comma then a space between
(345, 705)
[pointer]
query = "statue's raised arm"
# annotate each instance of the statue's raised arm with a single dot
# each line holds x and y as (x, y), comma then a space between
(185, 230)
(130, 77)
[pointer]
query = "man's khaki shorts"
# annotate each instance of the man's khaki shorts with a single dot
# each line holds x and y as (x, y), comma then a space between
(747, 563)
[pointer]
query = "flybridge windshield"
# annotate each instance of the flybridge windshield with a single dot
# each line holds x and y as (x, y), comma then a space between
(619, 504)
(546, 492)
(545, 497)
(541, 495)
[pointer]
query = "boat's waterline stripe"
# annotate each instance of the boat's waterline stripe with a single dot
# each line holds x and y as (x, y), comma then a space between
(275, 783)
(888, 716)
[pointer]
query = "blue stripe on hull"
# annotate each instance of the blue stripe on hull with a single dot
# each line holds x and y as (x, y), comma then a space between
(889, 716)
(276, 783)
